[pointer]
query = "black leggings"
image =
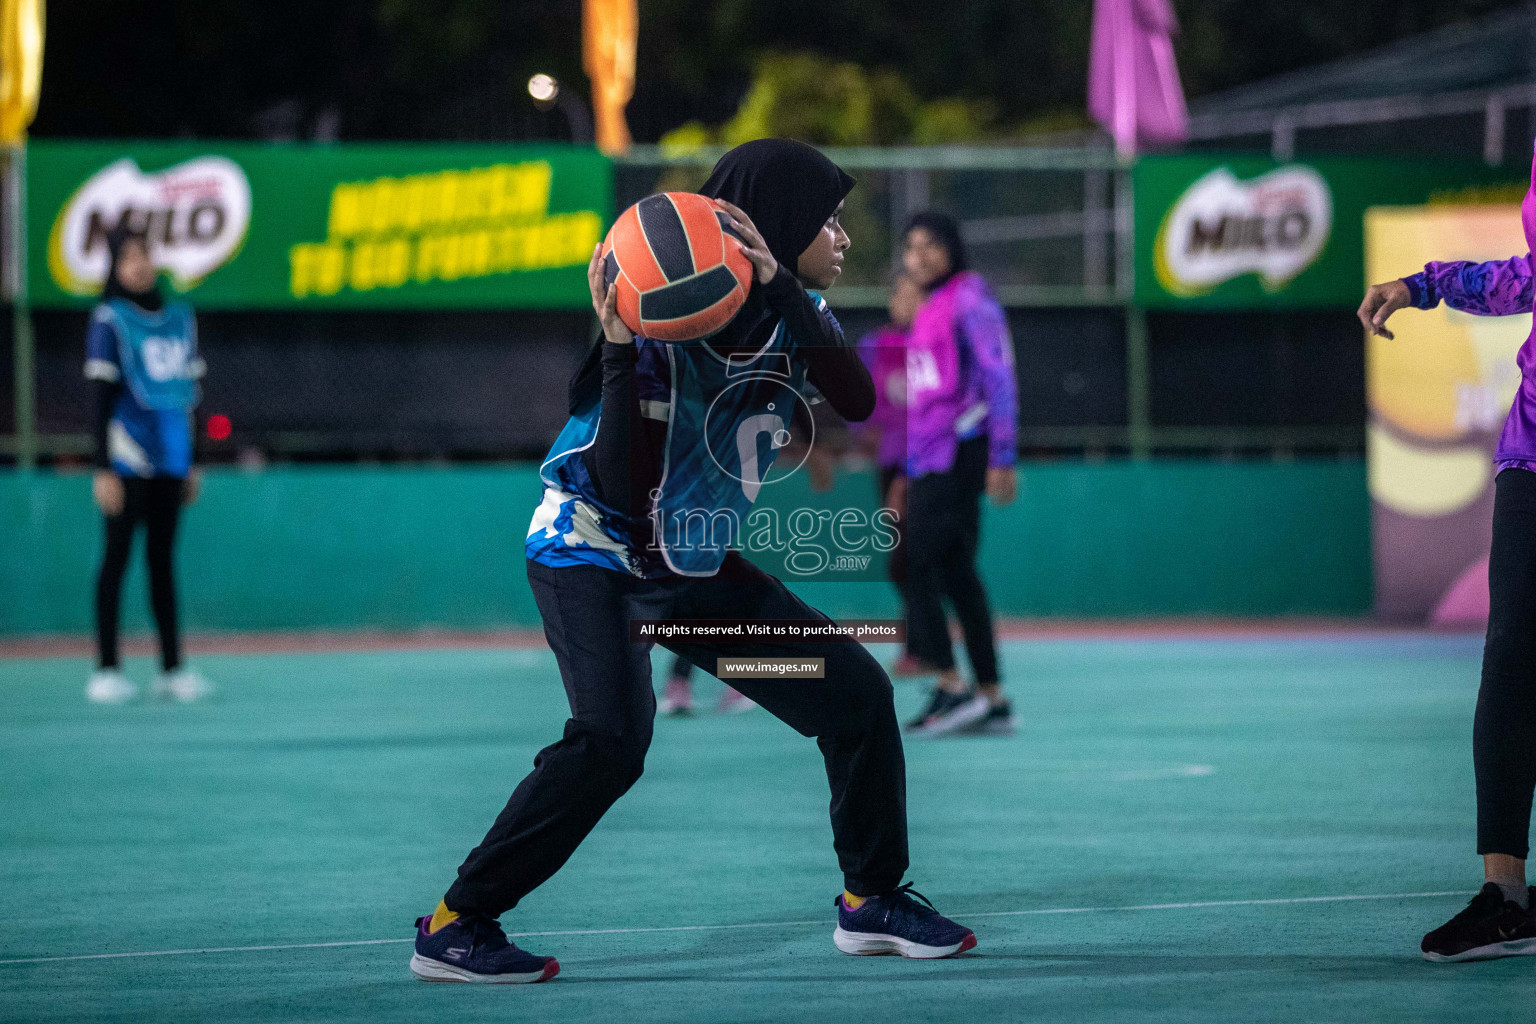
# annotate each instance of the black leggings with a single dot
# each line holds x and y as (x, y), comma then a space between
(940, 535)
(157, 502)
(607, 676)
(896, 559)
(1504, 730)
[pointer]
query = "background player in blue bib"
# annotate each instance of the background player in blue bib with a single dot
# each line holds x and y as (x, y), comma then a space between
(141, 352)
(665, 445)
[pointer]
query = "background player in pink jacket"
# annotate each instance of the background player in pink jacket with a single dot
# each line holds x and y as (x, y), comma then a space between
(961, 421)
(1498, 921)
(884, 435)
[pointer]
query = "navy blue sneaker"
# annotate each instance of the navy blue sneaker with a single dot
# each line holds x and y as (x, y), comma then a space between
(475, 949)
(897, 923)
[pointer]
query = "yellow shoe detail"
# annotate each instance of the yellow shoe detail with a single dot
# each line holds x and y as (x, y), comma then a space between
(851, 901)
(441, 917)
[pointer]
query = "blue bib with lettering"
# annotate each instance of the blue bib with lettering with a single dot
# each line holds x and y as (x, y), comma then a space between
(158, 354)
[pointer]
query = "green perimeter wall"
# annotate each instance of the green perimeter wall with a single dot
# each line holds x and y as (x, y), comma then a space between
(403, 548)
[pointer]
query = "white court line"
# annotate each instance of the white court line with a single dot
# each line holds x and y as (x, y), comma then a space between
(762, 924)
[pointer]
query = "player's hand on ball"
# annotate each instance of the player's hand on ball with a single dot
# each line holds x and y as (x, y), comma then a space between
(605, 302)
(1002, 485)
(107, 489)
(753, 247)
(1381, 301)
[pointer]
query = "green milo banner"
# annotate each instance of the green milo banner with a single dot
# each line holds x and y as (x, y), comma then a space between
(1245, 232)
(348, 226)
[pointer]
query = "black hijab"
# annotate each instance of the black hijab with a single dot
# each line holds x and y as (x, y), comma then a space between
(947, 233)
(788, 189)
(113, 289)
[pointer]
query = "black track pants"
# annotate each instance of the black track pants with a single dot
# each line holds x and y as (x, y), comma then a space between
(586, 612)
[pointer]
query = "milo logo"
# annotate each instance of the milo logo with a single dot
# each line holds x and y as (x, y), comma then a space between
(1274, 226)
(195, 216)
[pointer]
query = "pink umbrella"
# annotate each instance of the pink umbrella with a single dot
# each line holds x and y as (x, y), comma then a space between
(1133, 82)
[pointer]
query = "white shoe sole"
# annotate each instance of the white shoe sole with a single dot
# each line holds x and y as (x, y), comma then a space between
(967, 714)
(182, 694)
(1517, 947)
(871, 944)
(986, 728)
(114, 696)
(436, 970)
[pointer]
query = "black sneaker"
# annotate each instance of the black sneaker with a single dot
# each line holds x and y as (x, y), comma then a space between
(1490, 927)
(998, 721)
(475, 949)
(949, 713)
(942, 702)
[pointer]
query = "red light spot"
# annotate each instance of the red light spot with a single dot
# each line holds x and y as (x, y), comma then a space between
(218, 427)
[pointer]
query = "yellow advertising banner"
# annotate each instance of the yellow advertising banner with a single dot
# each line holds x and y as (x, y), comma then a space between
(1437, 396)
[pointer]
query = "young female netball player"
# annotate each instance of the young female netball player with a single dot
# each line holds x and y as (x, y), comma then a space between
(603, 550)
(1499, 920)
(962, 413)
(884, 435)
(142, 353)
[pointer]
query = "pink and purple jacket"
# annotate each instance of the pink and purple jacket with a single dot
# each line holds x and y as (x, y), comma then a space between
(884, 352)
(960, 379)
(1497, 288)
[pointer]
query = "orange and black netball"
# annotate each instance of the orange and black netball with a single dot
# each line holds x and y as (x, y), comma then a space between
(680, 270)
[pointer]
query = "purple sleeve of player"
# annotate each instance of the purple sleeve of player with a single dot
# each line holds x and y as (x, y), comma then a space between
(1497, 288)
(986, 331)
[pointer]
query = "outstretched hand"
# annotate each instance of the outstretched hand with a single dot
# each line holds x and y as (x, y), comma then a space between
(1381, 301)
(753, 246)
(605, 302)
(1002, 485)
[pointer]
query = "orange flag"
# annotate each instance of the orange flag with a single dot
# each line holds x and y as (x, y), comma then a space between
(609, 32)
(21, 66)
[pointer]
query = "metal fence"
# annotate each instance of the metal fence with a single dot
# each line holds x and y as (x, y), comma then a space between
(1499, 123)
(1047, 227)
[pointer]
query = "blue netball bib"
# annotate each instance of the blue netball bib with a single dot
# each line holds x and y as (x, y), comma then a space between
(158, 354)
(730, 417)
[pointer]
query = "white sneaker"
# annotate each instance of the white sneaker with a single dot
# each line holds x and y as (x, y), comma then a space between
(110, 686)
(183, 684)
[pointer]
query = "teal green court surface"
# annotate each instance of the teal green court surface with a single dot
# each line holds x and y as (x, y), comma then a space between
(1213, 830)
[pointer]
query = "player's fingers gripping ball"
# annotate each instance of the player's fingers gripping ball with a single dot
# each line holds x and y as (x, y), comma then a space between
(679, 267)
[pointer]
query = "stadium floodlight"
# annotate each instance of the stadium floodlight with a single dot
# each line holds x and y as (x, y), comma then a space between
(544, 89)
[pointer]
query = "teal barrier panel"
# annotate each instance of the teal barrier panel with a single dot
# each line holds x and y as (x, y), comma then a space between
(401, 548)
(291, 548)
(1181, 538)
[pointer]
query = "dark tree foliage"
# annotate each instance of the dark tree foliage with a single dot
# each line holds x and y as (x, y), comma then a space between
(457, 69)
